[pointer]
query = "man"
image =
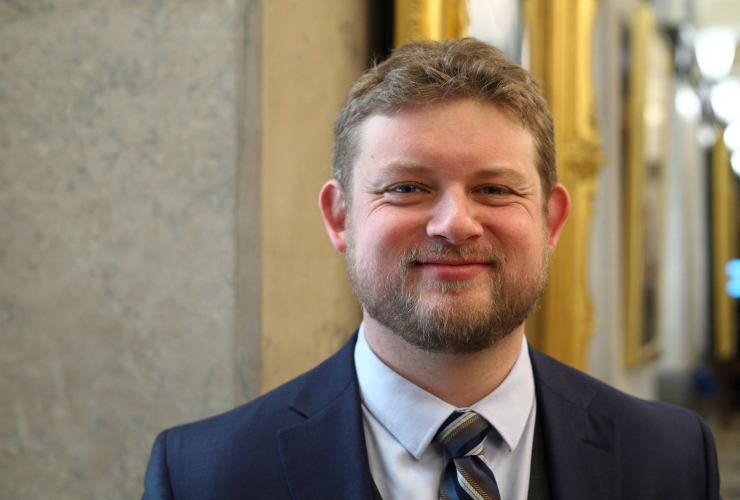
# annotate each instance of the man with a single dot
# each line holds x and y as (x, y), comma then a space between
(446, 203)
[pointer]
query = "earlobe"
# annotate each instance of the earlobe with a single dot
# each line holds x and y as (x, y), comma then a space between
(558, 208)
(334, 211)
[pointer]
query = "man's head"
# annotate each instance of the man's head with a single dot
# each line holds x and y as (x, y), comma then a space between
(428, 72)
(452, 224)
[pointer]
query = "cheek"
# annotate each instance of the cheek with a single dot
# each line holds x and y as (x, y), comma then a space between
(519, 236)
(389, 231)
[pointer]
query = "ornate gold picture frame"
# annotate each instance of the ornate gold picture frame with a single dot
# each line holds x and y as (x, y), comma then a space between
(724, 247)
(646, 127)
(561, 45)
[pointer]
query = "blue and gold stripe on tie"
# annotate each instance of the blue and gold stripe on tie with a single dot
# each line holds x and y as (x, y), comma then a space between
(467, 475)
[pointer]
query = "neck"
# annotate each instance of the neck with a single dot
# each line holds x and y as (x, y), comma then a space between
(458, 379)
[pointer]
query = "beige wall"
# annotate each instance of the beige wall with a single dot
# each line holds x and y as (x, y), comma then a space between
(313, 51)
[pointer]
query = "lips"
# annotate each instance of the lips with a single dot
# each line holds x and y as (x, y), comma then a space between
(446, 263)
(453, 269)
(454, 261)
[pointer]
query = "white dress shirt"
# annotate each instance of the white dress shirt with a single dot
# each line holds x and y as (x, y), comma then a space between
(401, 420)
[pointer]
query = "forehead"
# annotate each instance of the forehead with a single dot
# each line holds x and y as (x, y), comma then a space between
(462, 135)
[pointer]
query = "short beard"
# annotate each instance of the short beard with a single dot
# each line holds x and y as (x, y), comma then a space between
(450, 325)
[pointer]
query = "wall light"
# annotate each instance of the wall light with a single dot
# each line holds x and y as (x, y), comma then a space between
(715, 51)
(731, 136)
(735, 162)
(725, 98)
(688, 104)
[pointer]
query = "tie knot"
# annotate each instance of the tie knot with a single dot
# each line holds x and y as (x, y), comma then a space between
(463, 433)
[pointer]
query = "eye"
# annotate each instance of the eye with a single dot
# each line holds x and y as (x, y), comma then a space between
(405, 189)
(494, 190)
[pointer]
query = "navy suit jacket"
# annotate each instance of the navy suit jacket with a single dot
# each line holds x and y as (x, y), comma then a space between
(305, 441)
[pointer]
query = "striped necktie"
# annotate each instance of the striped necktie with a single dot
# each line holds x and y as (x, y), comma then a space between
(467, 475)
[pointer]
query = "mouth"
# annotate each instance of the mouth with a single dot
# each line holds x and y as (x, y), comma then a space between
(439, 262)
(453, 261)
(453, 269)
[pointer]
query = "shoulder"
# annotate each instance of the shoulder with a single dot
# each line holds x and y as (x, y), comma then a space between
(269, 412)
(583, 391)
(599, 398)
(211, 454)
(670, 445)
(282, 407)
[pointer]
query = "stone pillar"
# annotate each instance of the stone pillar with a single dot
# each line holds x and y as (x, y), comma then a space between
(161, 254)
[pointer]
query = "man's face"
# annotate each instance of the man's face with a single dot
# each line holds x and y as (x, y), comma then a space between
(447, 243)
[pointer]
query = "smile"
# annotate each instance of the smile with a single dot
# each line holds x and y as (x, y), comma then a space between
(452, 270)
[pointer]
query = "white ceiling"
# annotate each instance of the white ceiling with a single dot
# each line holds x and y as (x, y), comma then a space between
(717, 12)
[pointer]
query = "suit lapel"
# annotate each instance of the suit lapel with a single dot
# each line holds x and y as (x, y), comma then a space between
(582, 448)
(325, 456)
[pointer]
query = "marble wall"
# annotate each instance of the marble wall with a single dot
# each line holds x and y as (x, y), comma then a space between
(117, 241)
(144, 178)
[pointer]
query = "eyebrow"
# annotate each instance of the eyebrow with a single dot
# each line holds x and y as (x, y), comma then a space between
(406, 168)
(517, 175)
(418, 169)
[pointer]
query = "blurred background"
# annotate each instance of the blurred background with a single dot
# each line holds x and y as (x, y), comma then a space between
(162, 257)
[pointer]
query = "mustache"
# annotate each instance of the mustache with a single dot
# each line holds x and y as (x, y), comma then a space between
(440, 251)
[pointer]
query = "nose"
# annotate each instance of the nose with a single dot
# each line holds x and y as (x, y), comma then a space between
(454, 219)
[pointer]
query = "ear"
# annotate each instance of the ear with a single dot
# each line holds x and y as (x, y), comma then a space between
(334, 212)
(558, 208)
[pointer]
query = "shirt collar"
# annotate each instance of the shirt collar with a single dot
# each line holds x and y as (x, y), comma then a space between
(413, 415)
